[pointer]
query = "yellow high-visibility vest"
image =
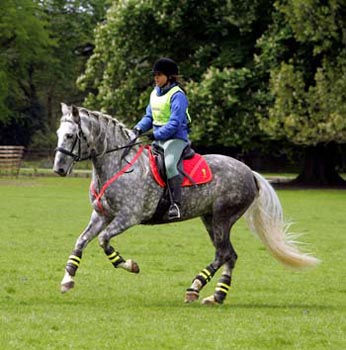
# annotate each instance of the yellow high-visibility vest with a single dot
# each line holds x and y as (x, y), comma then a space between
(161, 106)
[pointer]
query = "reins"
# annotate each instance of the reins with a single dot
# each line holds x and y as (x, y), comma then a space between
(128, 145)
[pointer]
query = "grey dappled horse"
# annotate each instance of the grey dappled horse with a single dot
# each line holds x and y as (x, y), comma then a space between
(124, 194)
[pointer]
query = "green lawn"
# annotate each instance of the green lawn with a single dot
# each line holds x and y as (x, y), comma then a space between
(269, 307)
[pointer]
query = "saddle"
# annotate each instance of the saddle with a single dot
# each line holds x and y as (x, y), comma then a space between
(192, 167)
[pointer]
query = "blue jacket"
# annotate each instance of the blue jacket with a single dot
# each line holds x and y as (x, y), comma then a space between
(177, 127)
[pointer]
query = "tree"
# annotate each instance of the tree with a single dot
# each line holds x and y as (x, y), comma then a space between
(71, 25)
(213, 42)
(24, 43)
(223, 107)
(43, 46)
(226, 99)
(254, 69)
(304, 53)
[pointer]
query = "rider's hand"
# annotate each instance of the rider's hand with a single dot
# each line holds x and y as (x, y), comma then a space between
(135, 133)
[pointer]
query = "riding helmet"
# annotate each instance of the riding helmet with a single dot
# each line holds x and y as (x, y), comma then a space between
(166, 66)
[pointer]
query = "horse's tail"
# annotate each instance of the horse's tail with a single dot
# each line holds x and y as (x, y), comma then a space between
(265, 218)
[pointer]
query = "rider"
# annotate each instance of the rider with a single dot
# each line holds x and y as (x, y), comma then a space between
(167, 113)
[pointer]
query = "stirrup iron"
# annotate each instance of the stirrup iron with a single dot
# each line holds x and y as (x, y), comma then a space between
(174, 212)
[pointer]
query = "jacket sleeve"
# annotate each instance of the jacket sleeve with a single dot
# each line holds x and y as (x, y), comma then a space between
(177, 119)
(146, 123)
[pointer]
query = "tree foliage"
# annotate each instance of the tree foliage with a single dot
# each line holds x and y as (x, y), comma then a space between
(72, 23)
(222, 105)
(24, 45)
(213, 47)
(306, 57)
(41, 56)
(253, 70)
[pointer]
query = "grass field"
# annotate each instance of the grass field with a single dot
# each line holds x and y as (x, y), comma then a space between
(269, 307)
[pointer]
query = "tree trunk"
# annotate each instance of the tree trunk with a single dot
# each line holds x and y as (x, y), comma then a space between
(319, 167)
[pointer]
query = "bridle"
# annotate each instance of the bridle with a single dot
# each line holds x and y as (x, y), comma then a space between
(77, 142)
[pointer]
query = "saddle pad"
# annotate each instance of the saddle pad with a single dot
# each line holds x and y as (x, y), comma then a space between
(196, 168)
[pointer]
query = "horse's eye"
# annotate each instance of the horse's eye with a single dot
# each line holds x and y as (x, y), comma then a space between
(69, 136)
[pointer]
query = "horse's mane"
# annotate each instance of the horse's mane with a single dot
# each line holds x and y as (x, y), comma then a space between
(104, 127)
(103, 117)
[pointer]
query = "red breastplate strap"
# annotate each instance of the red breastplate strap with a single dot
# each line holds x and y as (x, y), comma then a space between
(99, 195)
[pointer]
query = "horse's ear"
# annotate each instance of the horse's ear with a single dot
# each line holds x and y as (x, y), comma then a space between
(65, 109)
(75, 113)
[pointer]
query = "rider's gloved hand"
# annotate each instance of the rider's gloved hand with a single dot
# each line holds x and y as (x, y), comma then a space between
(135, 133)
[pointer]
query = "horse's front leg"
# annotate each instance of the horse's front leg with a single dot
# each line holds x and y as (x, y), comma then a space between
(121, 223)
(96, 225)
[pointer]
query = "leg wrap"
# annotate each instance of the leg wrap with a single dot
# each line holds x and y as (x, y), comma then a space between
(206, 275)
(222, 288)
(114, 257)
(193, 291)
(73, 262)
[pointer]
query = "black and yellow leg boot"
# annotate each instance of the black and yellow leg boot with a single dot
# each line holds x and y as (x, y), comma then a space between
(175, 194)
(73, 262)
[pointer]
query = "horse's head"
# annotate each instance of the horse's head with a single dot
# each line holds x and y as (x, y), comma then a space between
(72, 140)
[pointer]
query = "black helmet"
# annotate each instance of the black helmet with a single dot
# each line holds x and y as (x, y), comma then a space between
(166, 66)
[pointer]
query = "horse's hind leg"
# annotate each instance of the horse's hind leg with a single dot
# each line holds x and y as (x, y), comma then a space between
(223, 286)
(227, 254)
(96, 225)
(218, 228)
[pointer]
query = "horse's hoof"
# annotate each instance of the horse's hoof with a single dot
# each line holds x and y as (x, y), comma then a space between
(134, 268)
(191, 296)
(65, 287)
(210, 301)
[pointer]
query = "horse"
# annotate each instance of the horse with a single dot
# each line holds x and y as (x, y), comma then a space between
(123, 193)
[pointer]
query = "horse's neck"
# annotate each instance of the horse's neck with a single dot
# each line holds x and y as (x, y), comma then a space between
(111, 136)
(116, 136)
(107, 134)
(112, 166)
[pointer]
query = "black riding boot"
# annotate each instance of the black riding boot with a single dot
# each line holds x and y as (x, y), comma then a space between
(175, 190)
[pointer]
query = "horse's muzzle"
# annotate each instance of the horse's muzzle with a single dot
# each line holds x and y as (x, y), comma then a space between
(60, 171)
